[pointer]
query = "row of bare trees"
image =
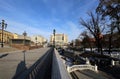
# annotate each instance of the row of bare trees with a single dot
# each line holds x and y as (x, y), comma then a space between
(105, 20)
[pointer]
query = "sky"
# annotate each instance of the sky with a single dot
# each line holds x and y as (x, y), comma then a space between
(40, 17)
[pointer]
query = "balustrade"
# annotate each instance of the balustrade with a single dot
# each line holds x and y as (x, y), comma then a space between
(81, 67)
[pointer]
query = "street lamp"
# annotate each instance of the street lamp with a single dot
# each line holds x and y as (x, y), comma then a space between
(36, 40)
(63, 40)
(54, 36)
(4, 26)
(24, 34)
(7, 40)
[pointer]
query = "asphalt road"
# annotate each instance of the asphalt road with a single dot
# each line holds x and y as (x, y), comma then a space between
(17, 62)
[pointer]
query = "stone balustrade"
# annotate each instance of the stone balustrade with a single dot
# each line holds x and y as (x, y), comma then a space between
(59, 70)
(49, 66)
(81, 67)
(39, 69)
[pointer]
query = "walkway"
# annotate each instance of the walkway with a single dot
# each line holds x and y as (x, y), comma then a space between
(17, 62)
(88, 74)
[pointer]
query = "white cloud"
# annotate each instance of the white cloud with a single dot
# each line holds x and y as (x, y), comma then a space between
(70, 28)
(16, 27)
(42, 25)
(74, 30)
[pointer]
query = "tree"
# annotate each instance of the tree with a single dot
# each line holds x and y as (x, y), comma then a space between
(86, 40)
(95, 26)
(110, 38)
(110, 8)
(77, 42)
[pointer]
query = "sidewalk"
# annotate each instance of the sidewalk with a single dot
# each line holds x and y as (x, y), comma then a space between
(17, 62)
(7, 49)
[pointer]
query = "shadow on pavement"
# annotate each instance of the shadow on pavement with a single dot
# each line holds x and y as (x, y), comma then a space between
(20, 68)
(4, 55)
(41, 69)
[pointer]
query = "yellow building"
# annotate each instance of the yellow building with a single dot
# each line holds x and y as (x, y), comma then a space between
(60, 39)
(6, 36)
(17, 36)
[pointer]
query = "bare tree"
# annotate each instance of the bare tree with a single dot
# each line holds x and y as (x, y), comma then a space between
(110, 8)
(86, 42)
(95, 26)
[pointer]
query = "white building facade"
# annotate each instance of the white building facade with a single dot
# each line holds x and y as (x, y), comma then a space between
(38, 39)
(60, 39)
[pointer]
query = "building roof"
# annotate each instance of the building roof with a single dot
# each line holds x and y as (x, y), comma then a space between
(6, 31)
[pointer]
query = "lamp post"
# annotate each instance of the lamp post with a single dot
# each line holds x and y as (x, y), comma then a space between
(36, 40)
(24, 34)
(7, 40)
(4, 26)
(63, 40)
(54, 36)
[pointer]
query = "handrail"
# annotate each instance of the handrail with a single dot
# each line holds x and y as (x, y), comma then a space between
(59, 70)
(32, 72)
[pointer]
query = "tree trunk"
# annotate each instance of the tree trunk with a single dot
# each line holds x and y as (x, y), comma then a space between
(99, 46)
(110, 42)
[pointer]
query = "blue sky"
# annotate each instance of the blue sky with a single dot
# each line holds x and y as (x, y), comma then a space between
(40, 17)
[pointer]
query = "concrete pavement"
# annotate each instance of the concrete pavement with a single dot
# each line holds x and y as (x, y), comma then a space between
(7, 49)
(17, 62)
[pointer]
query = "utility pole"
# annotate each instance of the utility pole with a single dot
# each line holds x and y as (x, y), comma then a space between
(4, 26)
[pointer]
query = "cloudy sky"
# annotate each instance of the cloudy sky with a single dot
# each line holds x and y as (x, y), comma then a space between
(40, 17)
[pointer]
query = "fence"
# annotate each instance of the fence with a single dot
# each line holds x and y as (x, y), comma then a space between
(59, 70)
(81, 67)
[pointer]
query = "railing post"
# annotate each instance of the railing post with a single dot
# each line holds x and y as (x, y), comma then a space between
(87, 61)
(96, 68)
(113, 62)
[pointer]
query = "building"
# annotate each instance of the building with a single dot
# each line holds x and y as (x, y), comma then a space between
(6, 36)
(20, 40)
(17, 36)
(38, 39)
(60, 39)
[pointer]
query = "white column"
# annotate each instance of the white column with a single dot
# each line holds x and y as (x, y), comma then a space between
(96, 68)
(87, 61)
(113, 62)
(68, 68)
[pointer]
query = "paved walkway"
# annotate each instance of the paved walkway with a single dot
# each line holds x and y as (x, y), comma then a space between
(15, 63)
(88, 74)
(6, 49)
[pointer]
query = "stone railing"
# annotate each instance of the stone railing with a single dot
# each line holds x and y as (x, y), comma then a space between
(39, 69)
(81, 67)
(59, 70)
(49, 66)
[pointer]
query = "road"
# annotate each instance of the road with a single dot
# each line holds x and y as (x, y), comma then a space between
(15, 63)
